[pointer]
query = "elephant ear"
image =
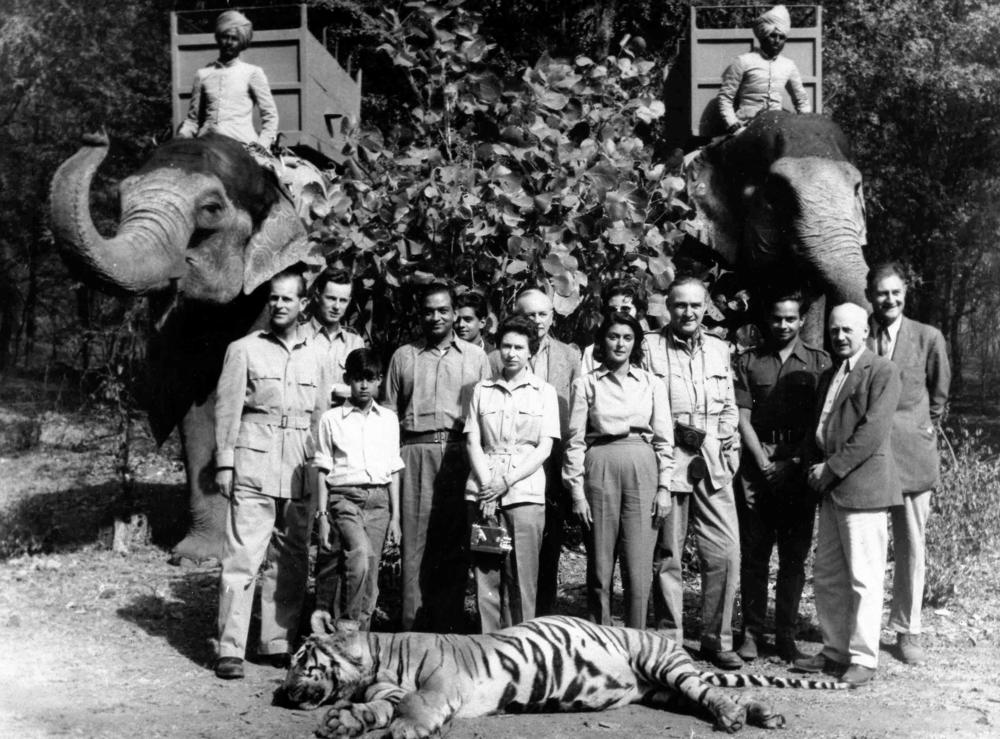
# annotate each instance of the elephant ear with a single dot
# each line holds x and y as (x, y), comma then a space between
(280, 242)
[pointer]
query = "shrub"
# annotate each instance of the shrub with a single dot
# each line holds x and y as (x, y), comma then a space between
(965, 516)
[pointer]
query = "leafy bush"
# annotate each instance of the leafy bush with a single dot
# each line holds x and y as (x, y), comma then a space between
(965, 517)
(497, 183)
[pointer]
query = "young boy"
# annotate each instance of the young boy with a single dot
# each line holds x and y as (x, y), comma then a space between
(471, 318)
(358, 464)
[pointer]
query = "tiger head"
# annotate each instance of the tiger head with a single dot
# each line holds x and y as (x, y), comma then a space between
(330, 664)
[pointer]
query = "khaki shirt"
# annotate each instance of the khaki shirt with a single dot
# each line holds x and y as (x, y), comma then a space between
(512, 419)
(338, 346)
(699, 379)
(269, 401)
(429, 389)
(358, 448)
(604, 404)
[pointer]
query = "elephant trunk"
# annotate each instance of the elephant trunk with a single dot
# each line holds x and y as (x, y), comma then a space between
(829, 224)
(145, 255)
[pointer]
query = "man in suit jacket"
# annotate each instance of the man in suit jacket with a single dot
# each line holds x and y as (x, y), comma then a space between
(852, 468)
(559, 365)
(919, 352)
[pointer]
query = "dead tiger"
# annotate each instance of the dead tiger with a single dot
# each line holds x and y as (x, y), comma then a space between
(411, 685)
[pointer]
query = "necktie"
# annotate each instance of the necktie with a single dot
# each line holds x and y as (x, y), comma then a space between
(883, 342)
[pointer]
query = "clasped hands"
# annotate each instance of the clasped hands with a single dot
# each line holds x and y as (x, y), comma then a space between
(489, 495)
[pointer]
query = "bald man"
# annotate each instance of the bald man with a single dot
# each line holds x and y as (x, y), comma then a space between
(559, 365)
(853, 472)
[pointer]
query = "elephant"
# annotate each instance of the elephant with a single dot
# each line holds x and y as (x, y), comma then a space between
(782, 202)
(203, 227)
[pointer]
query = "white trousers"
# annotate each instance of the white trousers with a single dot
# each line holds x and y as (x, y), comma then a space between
(848, 581)
(909, 522)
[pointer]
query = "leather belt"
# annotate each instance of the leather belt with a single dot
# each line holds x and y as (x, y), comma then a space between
(441, 436)
(780, 436)
(284, 421)
(611, 438)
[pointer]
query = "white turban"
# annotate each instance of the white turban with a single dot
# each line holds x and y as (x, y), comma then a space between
(235, 20)
(776, 18)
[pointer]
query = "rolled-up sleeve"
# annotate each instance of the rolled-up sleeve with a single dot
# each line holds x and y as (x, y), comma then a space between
(661, 421)
(579, 407)
(230, 395)
(323, 459)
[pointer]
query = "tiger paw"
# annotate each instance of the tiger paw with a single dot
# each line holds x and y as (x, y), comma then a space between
(344, 719)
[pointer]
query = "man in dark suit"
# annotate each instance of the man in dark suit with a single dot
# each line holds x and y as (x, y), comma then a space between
(919, 352)
(559, 365)
(852, 468)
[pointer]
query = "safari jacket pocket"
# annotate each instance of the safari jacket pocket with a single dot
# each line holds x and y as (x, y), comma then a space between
(250, 466)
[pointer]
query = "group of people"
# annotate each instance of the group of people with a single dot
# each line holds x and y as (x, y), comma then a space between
(644, 434)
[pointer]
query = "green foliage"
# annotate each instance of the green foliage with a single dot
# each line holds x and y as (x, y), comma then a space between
(501, 182)
(965, 518)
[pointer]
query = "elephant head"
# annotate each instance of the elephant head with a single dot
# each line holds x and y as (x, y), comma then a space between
(201, 216)
(782, 200)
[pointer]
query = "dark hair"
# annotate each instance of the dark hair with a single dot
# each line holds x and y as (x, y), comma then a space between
(792, 294)
(886, 269)
(435, 288)
(472, 299)
(682, 282)
(362, 364)
(618, 318)
(336, 276)
(519, 325)
(294, 273)
(625, 289)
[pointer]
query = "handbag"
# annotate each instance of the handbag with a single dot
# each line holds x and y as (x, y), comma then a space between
(490, 537)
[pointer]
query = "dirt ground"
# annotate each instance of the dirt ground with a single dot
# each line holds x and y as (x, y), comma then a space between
(96, 644)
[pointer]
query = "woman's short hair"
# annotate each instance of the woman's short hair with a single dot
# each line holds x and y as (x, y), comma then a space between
(618, 318)
(362, 364)
(519, 325)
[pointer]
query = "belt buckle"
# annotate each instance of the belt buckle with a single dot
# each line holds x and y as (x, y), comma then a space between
(284, 422)
(439, 437)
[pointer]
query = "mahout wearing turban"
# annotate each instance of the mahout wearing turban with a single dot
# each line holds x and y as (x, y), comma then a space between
(776, 18)
(235, 20)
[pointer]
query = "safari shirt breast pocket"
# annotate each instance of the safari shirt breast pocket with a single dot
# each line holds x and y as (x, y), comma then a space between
(250, 456)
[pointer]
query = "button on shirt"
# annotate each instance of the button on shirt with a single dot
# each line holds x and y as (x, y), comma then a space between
(752, 84)
(355, 447)
(338, 345)
(831, 395)
(428, 388)
(512, 419)
(606, 404)
(269, 400)
(780, 396)
(222, 101)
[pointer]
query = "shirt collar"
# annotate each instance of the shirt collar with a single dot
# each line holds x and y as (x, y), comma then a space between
(697, 340)
(892, 329)
(852, 361)
(319, 329)
(219, 64)
(601, 371)
(453, 343)
(301, 337)
(528, 378)
(348, 408)
(798, 351)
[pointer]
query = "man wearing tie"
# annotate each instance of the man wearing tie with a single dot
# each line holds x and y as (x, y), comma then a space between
(918, 350)
(853, 471)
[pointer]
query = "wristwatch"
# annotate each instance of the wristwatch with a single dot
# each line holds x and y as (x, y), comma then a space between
(321, 514)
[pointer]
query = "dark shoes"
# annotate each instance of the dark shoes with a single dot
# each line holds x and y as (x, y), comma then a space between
(748, 649)
(724, 659)
(909, 649)
(229, 668)
(856, 676)
(818, 663)
(787, 649)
